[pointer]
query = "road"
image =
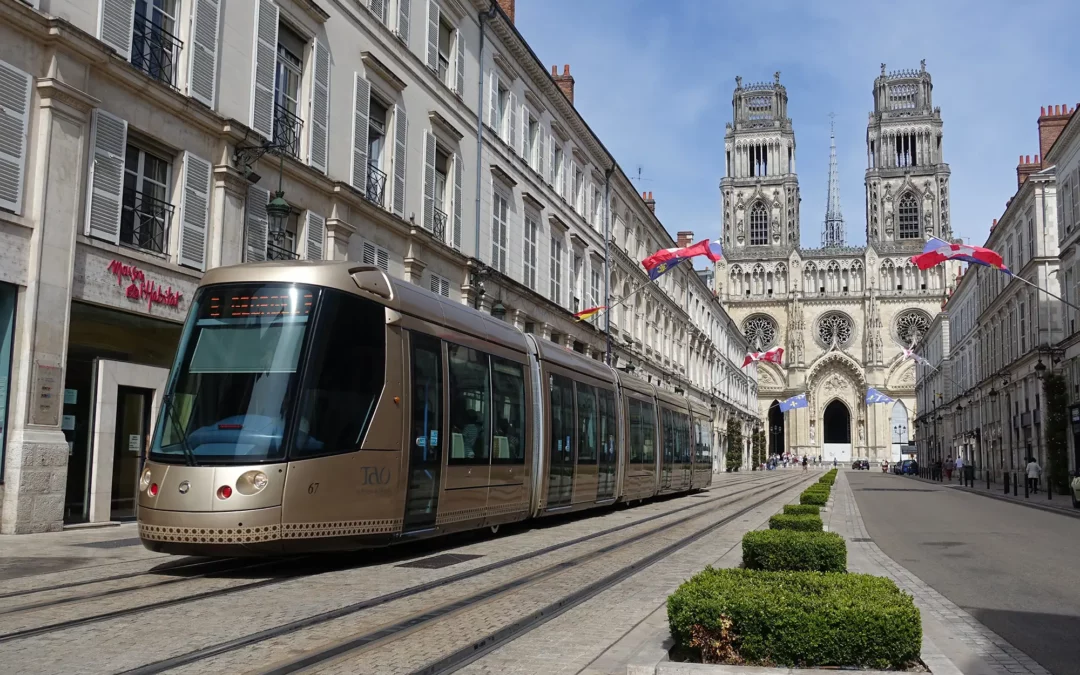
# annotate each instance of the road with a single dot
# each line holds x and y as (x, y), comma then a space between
(1014, 568)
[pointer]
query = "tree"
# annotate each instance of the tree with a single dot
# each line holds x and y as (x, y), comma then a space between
(1057, 433)
(735, 445)
(758, 445)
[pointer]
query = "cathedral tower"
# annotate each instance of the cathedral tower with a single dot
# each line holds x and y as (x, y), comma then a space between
(907, 179)
(832, 235)
(760, 188)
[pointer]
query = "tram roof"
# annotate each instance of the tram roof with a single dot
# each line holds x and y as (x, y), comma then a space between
(568, 358)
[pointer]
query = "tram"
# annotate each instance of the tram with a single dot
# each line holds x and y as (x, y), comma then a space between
(319, 406)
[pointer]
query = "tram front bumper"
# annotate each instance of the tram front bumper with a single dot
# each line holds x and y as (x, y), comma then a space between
(221, 533)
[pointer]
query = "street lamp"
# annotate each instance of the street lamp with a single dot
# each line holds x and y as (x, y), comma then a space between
(1040, 369)
(277, 214)
(499, 311)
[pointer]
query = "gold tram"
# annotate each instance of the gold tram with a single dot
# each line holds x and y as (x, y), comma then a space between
(327, 406)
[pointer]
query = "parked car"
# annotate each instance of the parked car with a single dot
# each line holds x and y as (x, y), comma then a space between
(861, 464)
(910, 467)
(898, 468)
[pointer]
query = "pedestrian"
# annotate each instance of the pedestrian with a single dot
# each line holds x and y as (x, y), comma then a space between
(1033, 473)
(804, 463)
(960, 467)
(949, 466)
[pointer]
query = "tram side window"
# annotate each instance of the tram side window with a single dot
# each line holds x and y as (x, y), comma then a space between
(648, 431)
(684, 439)
(586, 407)
(633, 423)
(508, 387)
(469, 385)
(669, 435)
(606, 399)
(562, 419)
(706, 443)
(345, 376)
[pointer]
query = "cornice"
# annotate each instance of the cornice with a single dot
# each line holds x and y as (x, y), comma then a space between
(49, 88)
(444, 124)
(382, 70)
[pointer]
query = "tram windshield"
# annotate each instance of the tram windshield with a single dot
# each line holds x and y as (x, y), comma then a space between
(240, 392)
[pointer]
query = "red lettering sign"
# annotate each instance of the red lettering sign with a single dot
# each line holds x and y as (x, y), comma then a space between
(141, 289)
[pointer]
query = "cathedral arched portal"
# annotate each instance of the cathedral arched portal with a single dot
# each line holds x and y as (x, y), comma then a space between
(836, 432)
(776, 429)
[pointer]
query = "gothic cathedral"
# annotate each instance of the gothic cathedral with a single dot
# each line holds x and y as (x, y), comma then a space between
(842, 313)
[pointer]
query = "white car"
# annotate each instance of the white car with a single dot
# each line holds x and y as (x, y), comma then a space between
(1074, 491)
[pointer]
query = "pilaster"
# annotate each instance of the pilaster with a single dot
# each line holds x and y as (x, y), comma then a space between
(227, 217)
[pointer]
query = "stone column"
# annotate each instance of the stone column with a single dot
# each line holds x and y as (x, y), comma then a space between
(227, 229)
(37, 451)
(338, 233)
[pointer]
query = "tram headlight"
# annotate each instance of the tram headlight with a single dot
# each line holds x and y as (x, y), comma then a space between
(144, 482)
(251, 483)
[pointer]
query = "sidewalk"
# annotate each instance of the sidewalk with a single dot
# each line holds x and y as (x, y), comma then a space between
(1059, 504)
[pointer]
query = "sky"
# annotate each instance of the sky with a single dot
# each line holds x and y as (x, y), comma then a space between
(654, 81)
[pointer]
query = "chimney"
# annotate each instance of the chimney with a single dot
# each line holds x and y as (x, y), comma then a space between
(507, 6)
(565, 81)
(685, 238)
(649, 201)
(1025, 168)
(1052, 120)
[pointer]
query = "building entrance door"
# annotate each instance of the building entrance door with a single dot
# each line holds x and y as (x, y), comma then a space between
(132, 429)
(836, 423)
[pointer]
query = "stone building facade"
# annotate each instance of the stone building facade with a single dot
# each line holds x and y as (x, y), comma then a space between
(422, 136)
(842, 313)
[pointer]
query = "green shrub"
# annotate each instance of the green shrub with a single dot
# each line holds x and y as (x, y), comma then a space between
(827, 480)
(817, 498)
(788, 550)
(805, 619)
(801, 523)
(802, 510)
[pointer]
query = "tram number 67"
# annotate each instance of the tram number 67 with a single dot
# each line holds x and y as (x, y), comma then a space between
(313, 488)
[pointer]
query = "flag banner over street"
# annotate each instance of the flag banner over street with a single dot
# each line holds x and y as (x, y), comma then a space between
(875, 396)
(794, 403)
(938, 251)
(910, 354)
(589, 313)
(666, 258)
(774, 355)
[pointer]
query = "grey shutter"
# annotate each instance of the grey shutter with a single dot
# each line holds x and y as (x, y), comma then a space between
(404, 8)
(567, 187)
(262, 72)
(493, 102)
(541, 158)
(378, 8)
(14, 126)
(105, 179)
(320, 107)
(512, 125)
(316, 235)
(116, 21)
(194, 211)
(361, 103)
(202, 68)
(368, 257)
(256, 224)
(458, 169)
(522, 145)
(459, 68)
(401, 133)
(433, 35)
(552, 170)
(376, 255)
(429, 181)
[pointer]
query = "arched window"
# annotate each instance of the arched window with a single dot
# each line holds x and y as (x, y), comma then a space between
(759, 225)
(908, 217)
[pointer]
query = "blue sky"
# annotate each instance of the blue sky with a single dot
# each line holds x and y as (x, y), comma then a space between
(656, 87)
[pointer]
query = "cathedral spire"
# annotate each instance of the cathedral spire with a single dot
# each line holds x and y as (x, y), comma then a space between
(832, 235)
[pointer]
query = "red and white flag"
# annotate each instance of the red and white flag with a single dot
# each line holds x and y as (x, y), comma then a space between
(774, 355)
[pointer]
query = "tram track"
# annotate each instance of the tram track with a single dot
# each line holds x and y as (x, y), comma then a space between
(774, 487)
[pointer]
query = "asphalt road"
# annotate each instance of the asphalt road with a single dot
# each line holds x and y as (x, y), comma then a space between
(1014, 568)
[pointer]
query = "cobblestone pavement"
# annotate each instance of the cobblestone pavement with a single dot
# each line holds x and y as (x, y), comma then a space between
(991, 652)
(129, 641)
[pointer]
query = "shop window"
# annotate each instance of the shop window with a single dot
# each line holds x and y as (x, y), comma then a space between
(144, 221)
(8, 295)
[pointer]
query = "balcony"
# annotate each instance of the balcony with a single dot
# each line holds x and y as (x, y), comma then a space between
(154, 50)
(287, 127)
(438, 225)
(144, 222)
(376, 185)
(279, 253)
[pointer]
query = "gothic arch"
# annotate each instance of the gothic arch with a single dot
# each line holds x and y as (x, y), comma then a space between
(901, 375)
(908, 214)
(839, 361)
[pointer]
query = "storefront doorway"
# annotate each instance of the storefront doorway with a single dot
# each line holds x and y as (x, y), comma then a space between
(132, 431)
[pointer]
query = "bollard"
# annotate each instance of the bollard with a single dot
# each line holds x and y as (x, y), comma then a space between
(987, 480)
(1006, 481)
(1027, 488)
(1015, 493)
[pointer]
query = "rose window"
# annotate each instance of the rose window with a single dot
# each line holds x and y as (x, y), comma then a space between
(760, 332)
(835, 330)
(911, 326)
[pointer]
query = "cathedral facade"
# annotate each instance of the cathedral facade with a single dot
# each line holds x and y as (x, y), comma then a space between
(842, 313)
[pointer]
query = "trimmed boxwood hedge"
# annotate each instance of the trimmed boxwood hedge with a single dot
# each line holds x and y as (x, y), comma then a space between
(801, 523)
(789, 550)
(817, 497)
(805, 619)
(802, 510)
(827, 480)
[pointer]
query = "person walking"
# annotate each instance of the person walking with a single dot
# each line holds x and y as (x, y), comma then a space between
(949, 466)
(960, 467)
(1033, 473)
(804, 464)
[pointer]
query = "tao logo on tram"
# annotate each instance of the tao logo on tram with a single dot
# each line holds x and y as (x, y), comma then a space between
(375, 475)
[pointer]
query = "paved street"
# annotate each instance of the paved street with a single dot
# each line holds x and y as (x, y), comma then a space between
(1011, 567)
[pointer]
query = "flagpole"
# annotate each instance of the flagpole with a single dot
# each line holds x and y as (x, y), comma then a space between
(1034, 285)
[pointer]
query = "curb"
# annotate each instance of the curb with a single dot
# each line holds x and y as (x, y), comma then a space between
(1010, 500)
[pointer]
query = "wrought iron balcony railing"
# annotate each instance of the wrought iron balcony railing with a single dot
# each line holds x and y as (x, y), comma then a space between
(376, 185)
(287, 127)
(144, 221)
(279, 253)
(438, 225)
(154, 50)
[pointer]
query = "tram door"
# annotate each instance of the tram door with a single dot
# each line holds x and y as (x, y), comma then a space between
(605, 486)
(668, 456)
(425, 456)
(561, 452)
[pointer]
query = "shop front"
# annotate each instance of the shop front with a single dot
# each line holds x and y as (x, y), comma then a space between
(125, 323)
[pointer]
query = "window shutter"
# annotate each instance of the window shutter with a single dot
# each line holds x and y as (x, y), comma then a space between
(440, 285)
(493, 102)
(262, 75)
(202, 68)
(567, 186)
(361, 103)
(401, 133)
(541, 158)
(378, 8)
(116, 21)
(320, 107)
(458, 169)
(383, 259)
(459, 69)
(429, 181)
(369, 254)
(433, 35)
(376, 255)
(586, 198)
(105, 179)
(511, 126)
(524, 133)
(256, 224)
(551, 168)
(194, 211)
(316, 235)
(14, 126)
(404, 9)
